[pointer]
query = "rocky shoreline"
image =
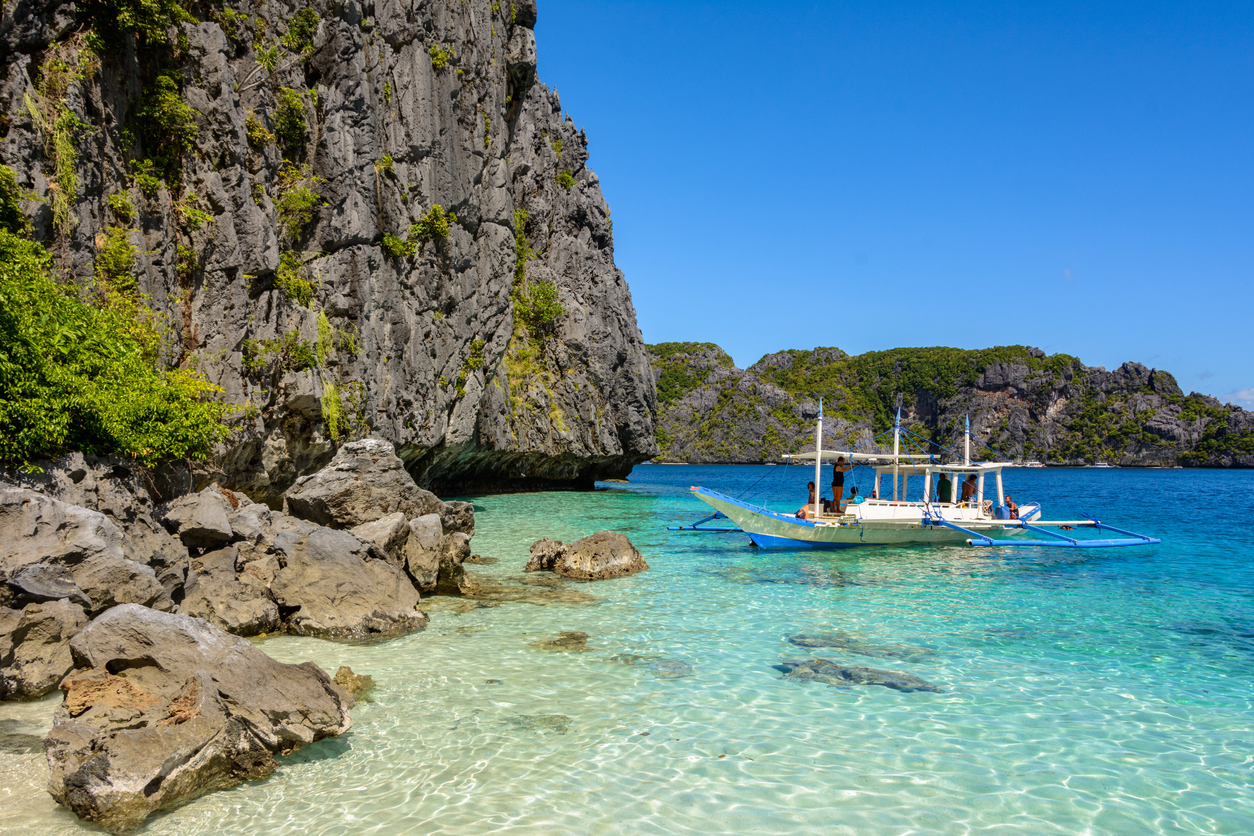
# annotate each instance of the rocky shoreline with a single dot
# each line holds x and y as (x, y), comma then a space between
(134, 606)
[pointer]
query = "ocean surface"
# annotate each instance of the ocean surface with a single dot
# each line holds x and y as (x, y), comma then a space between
(1102, 691)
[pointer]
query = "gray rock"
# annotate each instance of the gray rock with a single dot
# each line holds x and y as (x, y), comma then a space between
(390, 534)
(605, 554)
(41, 582)
(544, 554)
(333, 588)
(200, 520)
(117, 489)
(365, 482)
(165, 707)
(39, 531)
(35, 647)
(241, 605)
(454, 550)
(422, 551)
(830, 673)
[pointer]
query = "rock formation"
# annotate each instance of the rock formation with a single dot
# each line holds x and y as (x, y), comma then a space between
(218, 556)
(830, 673)
(1021, 402)
(164, 707)
(354, 222)
(605, 554)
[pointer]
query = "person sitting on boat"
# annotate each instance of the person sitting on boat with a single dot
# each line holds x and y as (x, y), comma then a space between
(838, 482)
(807, 510)
(944, 489)
(854, 499)
(968, 488)
(1012, 508)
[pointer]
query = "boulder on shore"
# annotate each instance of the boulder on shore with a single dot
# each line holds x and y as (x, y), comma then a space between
(34, 647)
(365, 482)
(39, 531)
(605, 554)
(165, 707)
(544, 553)
(334, 588)
(237, 602)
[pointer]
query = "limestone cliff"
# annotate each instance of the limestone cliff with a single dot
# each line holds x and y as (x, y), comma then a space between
(352, 216)
(1022, 402)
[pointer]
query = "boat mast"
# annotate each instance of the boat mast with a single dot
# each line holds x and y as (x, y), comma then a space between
(896, 450)
(966, 441)
(818, 461)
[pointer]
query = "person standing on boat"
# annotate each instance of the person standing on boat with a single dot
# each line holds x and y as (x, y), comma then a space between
(838, 483)
(944, 489)
(968, 488)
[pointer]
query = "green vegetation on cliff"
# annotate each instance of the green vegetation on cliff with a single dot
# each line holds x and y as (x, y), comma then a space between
(866, 385)
(80, 375)
(677, 375)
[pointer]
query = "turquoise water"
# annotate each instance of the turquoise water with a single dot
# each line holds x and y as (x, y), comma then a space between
(1098, 691)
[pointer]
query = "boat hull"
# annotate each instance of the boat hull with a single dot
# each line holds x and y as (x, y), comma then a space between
(773, 530)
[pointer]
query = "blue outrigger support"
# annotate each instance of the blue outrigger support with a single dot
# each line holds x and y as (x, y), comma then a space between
(977, 539)
(697, 526)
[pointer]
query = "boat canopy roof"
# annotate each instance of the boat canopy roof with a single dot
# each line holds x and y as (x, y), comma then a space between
(833, 455)
(910, 460)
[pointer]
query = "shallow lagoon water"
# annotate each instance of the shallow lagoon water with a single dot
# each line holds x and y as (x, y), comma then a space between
(1104, 691)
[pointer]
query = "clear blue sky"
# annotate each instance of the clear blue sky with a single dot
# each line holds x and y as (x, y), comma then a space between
(1075, 176)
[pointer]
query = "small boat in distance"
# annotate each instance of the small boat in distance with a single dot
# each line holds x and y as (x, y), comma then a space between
(1103, 466)
(1033, 463)
(984, 518)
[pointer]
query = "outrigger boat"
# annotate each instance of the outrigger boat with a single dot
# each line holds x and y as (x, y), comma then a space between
(985, 520)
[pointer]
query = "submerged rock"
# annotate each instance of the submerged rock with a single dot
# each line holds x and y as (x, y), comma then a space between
(556, 723)
(539, 591)
(566, 641)
(359, 685)
(659, 666)
(846, 642)
(829, 673)
(165, 707)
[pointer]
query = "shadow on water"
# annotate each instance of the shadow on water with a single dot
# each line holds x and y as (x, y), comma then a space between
(323, 750)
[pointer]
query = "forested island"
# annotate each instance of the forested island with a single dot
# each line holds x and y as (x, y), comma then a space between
(1022, 402)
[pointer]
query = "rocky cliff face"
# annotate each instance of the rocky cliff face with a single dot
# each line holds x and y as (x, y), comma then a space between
(282, 181)
(1020, 401)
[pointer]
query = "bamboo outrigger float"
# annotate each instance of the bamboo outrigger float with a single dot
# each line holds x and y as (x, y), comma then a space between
(984, 520)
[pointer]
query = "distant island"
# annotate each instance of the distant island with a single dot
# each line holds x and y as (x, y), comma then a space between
(1022, 402)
